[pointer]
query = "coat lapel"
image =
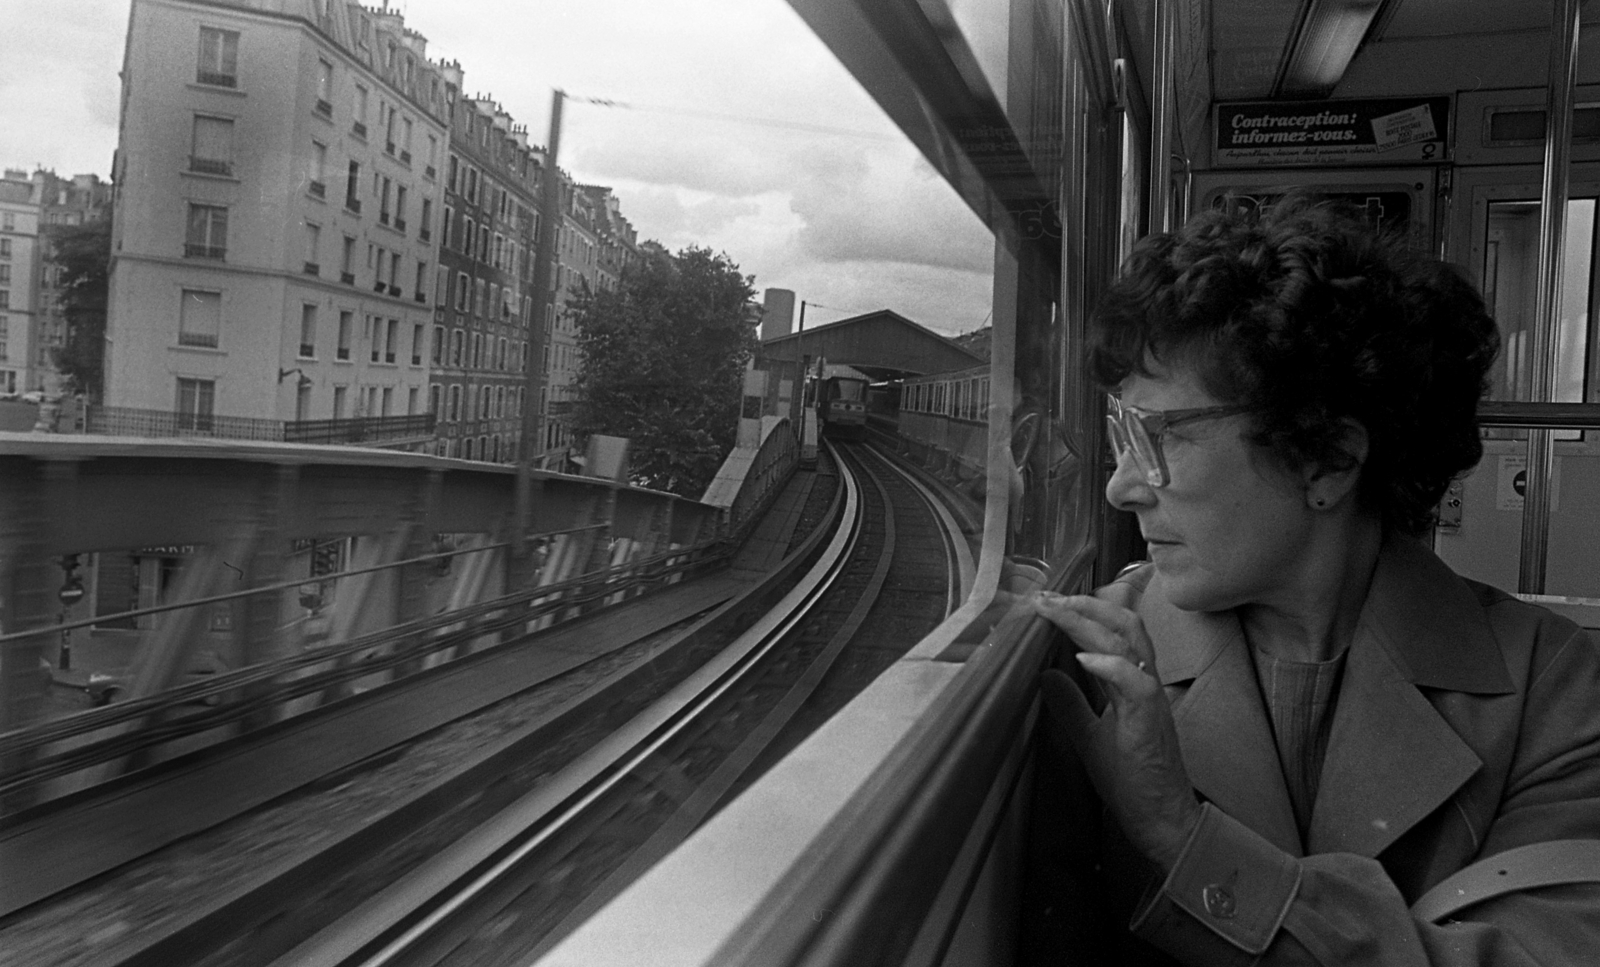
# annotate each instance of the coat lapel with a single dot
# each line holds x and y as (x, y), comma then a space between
(1222, 726)
(1392, 758)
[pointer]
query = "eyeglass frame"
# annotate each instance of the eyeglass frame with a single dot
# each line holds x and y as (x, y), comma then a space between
(1123, 419)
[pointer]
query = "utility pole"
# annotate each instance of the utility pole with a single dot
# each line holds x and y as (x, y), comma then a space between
(544, 260)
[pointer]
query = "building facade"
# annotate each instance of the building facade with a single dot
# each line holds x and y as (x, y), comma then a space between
(279, 179)
(483, 311)
(19, 269)
(595, 245)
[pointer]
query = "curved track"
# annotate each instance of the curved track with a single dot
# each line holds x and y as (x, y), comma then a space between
(517, 884)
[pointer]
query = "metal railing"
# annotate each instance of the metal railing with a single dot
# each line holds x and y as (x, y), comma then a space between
(359, 430)
(320, 673)
(132, 421)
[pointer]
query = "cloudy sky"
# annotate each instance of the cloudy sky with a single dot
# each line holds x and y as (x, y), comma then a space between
(741, 133)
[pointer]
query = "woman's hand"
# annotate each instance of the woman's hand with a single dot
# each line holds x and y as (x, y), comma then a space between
(1131, 750)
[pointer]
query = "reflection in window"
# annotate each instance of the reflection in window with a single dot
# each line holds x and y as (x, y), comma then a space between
(1510, 287)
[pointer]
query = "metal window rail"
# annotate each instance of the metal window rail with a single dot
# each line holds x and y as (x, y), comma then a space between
(1551, 416)
(299, 675)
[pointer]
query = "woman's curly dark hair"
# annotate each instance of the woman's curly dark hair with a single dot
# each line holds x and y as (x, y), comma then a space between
(1302, 312)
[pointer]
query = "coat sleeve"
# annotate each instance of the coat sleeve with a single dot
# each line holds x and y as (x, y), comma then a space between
(1233, 898)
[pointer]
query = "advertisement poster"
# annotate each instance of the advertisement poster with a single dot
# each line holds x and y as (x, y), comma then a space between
(1368, 131)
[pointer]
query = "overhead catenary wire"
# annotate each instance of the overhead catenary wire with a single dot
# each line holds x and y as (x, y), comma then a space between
(736, 118)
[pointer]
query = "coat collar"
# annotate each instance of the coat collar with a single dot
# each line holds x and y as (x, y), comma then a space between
(1391, 759)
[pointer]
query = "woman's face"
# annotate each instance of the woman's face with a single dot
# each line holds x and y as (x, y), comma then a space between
(1230, 526)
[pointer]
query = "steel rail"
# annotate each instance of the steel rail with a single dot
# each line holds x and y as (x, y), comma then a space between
(962, 569)
(395, 921)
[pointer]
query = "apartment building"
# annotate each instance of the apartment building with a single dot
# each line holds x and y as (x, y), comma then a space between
(278, 186)
(19, 258)
(484, 293)
(594, 246)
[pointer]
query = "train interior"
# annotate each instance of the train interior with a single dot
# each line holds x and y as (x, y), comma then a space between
(1072, 128)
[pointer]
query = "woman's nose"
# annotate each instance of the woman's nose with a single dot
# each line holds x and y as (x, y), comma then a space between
(1128, 489)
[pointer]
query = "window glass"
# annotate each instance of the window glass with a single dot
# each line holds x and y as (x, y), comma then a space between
(199, 318)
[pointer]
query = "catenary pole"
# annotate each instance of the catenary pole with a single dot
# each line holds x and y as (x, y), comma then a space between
(550, 219)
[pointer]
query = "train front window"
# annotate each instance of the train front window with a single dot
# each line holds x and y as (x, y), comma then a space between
(1511, 261)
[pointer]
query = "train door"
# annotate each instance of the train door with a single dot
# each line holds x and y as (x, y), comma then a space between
(1494, 234)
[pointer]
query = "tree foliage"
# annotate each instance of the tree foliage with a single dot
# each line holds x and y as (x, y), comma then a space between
(84, 254)
(663, 358)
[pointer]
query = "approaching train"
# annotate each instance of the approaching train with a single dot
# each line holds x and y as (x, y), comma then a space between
(842, 403)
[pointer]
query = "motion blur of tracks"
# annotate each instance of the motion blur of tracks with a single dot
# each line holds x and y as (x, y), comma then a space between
(496, 860)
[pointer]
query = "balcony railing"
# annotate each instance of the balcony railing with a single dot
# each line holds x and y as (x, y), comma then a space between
(405, 156)
(323, 108)
(394, 290)
(399, 223)
(130, 421)
(354, 204)
(422, 297)
(372, 429)
(318, 188)
(358, 129)
(193, 250)
(348, 278)
(210, 166)
(216, 78)
(430, 172)
(424, 235)
(312, 268)
(379, 286)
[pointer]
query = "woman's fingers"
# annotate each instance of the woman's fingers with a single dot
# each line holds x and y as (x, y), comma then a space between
(1100, 626)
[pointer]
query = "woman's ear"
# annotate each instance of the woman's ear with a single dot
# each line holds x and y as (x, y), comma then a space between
(1331, 482)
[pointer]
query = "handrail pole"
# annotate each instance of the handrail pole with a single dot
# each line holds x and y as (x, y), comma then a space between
(1162, 54)
(1547, 313)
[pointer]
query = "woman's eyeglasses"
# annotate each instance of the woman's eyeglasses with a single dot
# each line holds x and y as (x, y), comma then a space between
(1139, 432)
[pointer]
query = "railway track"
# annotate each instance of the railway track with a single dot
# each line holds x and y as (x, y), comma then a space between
(518, 884)
(541, 834)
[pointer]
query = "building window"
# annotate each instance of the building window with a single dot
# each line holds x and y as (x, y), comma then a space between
(458, 340)
(500, 355)
(425, 230)
(444, 230)
(339, 393)
(400, 207)
(441, 285)
(388, 401)
(416, 344)
(211, 149)
(477, 297)
(472, 186)
(199, 318)
(375, 338)
(347, 260)
(308, 331)
(219, 57)
(455, 403)
(346, 323)
(302, 400)
(318, 169)
(469, 233)
(359, 125)
(411, 401)
(383, 202)
(422, 278)
(434, 391)
(462, 287)
(313, 264)
(391, 340)
(438, 346)
(196, 403)
(352, 188)
(207, 234)
(5, 245)
(324, 104)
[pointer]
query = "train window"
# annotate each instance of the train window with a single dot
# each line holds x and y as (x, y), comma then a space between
(1526, 125)
(1511, 259)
